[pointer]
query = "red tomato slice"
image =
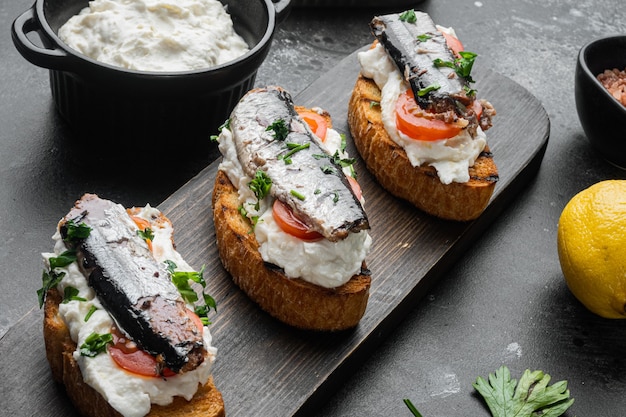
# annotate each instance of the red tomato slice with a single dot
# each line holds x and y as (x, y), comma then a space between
(128, 356)
(417, 127)
(289, 223)
(356, 188)
(453, 43)
(316, 122)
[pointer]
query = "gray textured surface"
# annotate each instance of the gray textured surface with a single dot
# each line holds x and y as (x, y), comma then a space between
(504, 303)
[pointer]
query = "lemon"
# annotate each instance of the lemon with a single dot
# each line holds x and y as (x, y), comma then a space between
(591, 242)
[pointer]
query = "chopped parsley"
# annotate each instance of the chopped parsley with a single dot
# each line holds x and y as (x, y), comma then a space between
(76, 231)
(280, 129)
(374, 103)
(181, 281)
(50, 279)
(71, 294)
(63, 259)
(408, 16)
(328, 169)
(462, 66)
(293, 148)
(95, 343)
(225, 125)
(297, 195)
(335, 196)
(260, 186)
(428, 89)
(92, 310)
(424, 37)
(146, 234)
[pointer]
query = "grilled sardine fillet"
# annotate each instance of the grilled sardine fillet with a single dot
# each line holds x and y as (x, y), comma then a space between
(313, 184)
(135, 289)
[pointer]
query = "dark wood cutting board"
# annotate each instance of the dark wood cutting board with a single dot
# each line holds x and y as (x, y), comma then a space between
(265, 368)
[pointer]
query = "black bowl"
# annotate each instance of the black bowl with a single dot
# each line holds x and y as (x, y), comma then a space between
(602, 117)
(108, 106)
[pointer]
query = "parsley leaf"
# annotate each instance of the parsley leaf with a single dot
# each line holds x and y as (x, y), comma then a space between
(408, 16)
(280, 129)
(146, 234)
(71, 294)
(411, 407)
(260, 185)
(95, 343)
(428, 89)
(225, 125)
(423, 38)
(532, 396)
(92, 310)
(462, 66)
(63, 259)
(49, 280)
(76, 231)
(181, 281)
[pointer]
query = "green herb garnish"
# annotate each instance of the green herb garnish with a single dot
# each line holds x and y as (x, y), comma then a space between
(95, 343)
(411, 407)
(181, 281)
(408, 16)
(462, 66)
(225, 125)
(335, 196)
(50, 279)
(423, 38)
(470, 92)
(428, 89)
(280, 129)
(297, 195)
(71, 294)
(374, 104)
(76, 231)
(92, 310)
(63, 259)
(293, 148)
(260, 186)
(328, 169)
(530, 397)
(146, 234)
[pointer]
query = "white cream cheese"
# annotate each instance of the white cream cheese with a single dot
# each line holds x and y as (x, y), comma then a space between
(450, 157)
(155, 35)
(130, 394)
(324, 263)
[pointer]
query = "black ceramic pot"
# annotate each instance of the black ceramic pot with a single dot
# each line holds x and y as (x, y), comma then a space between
(602, 117)
(112, 106)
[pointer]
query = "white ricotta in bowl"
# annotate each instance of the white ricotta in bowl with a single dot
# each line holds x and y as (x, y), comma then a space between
(155, 35)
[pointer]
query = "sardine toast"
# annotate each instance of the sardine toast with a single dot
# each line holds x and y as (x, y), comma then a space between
(109, 301)
(416, 121)
(290, 227)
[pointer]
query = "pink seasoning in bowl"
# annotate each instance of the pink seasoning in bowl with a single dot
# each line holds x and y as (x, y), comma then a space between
(615, 82)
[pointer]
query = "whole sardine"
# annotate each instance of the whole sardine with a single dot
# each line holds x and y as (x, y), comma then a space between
(414, 46)
(135, 289)
(313, 183)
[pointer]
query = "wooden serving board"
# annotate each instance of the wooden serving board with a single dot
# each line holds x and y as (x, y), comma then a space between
(265, 368)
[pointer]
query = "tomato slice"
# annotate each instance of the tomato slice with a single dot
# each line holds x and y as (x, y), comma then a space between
(289, 223)
(316, 122)
(412, 124)
(143, 224)
(356, 188)
(453, 43)
(128, 356)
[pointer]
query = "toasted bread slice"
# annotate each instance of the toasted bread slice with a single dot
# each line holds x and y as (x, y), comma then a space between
(292, 301)
(207, 402)
(421, 186)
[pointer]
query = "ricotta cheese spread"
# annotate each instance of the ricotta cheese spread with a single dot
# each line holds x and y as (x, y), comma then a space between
(155, 35)
(450, 157)
(324, 263)
(130, 394)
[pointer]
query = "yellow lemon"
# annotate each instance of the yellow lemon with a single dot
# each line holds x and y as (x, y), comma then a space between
(592, 247)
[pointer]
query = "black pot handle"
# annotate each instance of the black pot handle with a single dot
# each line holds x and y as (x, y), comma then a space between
(49, 56)
(282, 9)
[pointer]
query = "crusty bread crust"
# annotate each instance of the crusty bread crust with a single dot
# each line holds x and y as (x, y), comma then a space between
(292, 301)
(207, 401)
(421, 186)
